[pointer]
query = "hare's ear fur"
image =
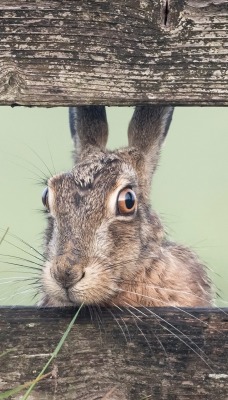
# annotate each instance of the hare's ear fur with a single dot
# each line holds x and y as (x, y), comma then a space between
(89, 129)
(147, 130)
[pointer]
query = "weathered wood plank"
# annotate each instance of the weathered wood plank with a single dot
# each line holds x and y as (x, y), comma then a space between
(151, 363)
(56, 52)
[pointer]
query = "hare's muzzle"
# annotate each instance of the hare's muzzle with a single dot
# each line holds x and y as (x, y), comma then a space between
(67, 272)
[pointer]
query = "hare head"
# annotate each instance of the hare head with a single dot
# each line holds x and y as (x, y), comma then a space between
(102, 233)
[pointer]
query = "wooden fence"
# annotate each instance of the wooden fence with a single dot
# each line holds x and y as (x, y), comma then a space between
(173, 355)
(120, 52)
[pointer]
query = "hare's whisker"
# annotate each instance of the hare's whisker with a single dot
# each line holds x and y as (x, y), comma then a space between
(24, 251)
(119, 325)
(125, 325)
(21, 265)
(167, 304)
(36, 294)
(43, 176)
(29, 162)
(14, 279)
(154, 334)
(22, 273)
(41, 182)
(50, 153)
(24, 242)
(99, 323)
(90, 308)
(198, 353)
(98, 312)
(139, 329)
(173, 290)
(23, 259)
(34, 173)
(157, 338)
(17, 293)
(144, 283)
(38, 156)
(35, 282)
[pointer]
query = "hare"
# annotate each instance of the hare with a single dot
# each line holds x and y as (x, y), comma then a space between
(104, 244)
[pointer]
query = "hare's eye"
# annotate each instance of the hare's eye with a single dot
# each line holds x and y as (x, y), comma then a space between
(126, 202)
(45, 198)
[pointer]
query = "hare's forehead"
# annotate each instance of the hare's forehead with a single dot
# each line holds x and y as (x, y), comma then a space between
(94, 175)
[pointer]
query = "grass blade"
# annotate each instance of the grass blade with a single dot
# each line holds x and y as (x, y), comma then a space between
(19, 388)
(7, 351)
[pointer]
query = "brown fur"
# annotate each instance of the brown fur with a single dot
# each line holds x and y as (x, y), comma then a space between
(93, 254)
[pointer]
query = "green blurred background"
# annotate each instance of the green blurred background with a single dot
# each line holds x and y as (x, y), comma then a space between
(190, 188)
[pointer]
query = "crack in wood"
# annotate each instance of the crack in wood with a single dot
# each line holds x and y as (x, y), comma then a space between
(166, 13)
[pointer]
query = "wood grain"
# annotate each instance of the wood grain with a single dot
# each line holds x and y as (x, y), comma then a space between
(56, 52)
(124, 358)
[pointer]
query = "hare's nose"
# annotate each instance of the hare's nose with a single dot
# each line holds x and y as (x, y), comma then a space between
(67, 276)
(71, 277)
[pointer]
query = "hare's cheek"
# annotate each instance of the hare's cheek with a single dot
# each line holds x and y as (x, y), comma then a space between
(101, 243)
(102, 276)
(98, 285)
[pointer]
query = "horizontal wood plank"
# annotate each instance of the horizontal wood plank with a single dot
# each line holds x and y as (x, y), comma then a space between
(154, 354)
(56, 52)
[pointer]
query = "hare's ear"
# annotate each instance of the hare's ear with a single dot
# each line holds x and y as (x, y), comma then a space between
(147, 130)
(89, 129)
